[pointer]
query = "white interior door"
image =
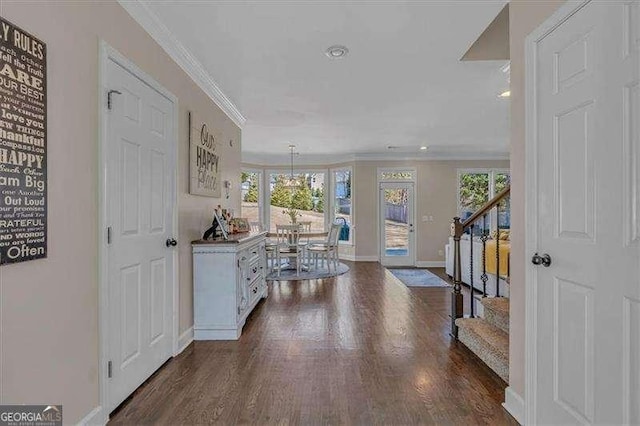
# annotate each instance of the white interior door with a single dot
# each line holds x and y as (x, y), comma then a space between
(397, 236)
(585, 205)
(140, 181)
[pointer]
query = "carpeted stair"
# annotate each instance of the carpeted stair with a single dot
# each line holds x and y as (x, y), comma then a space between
(488, 337)
(496, 312)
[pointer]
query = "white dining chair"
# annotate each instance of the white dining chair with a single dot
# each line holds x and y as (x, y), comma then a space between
(289, 246)
(270, 246)
(327, 250)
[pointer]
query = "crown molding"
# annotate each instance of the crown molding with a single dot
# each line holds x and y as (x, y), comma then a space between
(433, 156)
(282, 159)
(151, 23)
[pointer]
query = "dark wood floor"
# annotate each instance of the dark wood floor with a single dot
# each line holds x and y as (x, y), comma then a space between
(357, 349)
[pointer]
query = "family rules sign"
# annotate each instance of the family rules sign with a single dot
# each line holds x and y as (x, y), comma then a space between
(23, 145)
(204, 162)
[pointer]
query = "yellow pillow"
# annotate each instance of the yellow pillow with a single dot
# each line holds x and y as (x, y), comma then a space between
(504, 235)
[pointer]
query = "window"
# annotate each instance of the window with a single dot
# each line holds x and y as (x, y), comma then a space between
(396, 175)
(503, 180)
(473, 192)
(342, 206)
(251, 188)
(477, 187)
(300, 197)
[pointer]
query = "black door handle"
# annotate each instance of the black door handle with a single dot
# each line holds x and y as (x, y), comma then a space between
(171, 242)
(544, 260)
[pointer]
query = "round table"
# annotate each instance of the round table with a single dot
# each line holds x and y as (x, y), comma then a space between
(303, 236)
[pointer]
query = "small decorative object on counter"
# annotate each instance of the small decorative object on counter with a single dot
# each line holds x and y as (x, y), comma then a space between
(240, 224)
(218, 224)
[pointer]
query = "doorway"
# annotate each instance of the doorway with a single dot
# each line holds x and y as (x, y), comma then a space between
(138, 284)
(397, 236)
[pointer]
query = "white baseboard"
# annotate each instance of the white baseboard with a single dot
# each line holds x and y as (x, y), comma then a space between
(367, 258)
(514, 404)
(218, 333)
(430, 264)
(95, 417)
(185, 340)
(353, 258)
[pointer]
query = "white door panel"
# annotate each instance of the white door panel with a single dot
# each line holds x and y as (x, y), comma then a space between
(140, 173)
(586, 119)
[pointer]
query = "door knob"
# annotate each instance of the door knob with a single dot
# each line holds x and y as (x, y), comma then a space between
(544, 260)
(171, 242)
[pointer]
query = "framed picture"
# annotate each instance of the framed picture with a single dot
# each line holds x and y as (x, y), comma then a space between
(241, 224)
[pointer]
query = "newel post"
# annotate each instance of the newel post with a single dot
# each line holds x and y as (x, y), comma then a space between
(456, 294)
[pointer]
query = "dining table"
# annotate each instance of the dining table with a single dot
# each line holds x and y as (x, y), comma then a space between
(304, 236)
(308, 234)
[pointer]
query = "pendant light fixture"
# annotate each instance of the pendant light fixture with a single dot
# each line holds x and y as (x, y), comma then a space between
(292, 185)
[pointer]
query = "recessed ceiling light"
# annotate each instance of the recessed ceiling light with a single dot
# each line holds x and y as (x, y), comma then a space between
(336, 52)
(423, 148)
(505, 94)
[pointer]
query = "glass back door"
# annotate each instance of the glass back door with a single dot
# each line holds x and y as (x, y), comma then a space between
(397, 236)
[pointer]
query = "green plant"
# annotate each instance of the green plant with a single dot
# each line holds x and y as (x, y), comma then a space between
(292, 213)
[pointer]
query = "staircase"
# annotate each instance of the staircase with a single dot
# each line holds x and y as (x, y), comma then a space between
(486, 329)
(488, 336)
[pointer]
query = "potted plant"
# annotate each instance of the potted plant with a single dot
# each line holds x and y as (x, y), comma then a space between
(293, 214)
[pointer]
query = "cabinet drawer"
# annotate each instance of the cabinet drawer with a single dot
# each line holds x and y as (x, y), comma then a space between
(255, 289)
(251, 254)
(254, 270)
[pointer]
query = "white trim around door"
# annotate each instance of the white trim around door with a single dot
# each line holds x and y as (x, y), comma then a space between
(107, 54)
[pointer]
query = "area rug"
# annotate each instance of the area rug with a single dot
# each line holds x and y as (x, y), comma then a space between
(418, 277)
(314, 274)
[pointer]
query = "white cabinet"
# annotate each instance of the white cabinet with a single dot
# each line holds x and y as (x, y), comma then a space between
(228, 282)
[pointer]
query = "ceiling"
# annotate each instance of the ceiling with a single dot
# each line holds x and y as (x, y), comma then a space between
(402, 84)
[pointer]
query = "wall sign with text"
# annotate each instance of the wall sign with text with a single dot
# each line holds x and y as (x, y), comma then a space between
(204, 167)
(23, 145)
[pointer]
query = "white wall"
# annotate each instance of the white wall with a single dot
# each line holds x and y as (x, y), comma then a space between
(49, 308)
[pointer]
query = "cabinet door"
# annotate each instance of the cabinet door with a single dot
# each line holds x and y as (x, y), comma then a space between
(241, 283)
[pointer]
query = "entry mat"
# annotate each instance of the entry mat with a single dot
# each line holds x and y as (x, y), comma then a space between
(413, 277)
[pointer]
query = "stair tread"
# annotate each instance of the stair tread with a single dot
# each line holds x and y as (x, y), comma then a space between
(496, 340)
(496, 304)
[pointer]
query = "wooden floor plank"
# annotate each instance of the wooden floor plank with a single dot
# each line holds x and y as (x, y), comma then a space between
(361, 348)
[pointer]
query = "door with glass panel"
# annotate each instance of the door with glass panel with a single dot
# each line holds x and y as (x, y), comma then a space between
(397, 236)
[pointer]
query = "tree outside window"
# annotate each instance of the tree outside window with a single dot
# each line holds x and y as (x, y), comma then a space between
(250, 195)
(474, 193)
(299, 197)
(476, 188)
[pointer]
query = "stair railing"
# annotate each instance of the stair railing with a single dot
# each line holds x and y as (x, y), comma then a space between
(477, 221)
